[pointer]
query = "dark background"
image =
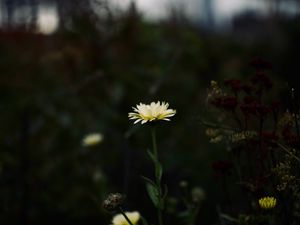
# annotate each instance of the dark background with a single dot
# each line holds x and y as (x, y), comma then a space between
(86, 76)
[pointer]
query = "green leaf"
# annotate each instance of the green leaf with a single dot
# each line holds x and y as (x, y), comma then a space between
(183, 214)
(153, 194)
(153, 158)
(144, 221)
(148, 180)
(159, 170)
(229, 218)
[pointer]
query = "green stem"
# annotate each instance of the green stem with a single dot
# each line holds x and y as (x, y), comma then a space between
(157, 176)
(271, 220)
(126, 217)
(295, 109)
(288, 151)
(153, 134)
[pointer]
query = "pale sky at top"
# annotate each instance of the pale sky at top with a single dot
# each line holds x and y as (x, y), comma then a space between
(48, 20)
(156, 9)
(223, 8)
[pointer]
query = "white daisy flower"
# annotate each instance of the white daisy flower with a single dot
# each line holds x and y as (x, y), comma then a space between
(154, 111)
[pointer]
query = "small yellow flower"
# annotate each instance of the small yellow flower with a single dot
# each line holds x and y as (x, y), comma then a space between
(267, 202)
(213, 83)
(92, 139)
(214, 90)
(119, 219)
(155, 111)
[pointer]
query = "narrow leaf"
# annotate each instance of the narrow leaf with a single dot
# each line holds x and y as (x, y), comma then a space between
(144, 221)
(148, 180)
(153, 194)
(159, 170)
(152, 156)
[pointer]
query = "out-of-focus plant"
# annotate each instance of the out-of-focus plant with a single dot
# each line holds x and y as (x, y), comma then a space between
(192, 200)
(263, 144)
(92, 139)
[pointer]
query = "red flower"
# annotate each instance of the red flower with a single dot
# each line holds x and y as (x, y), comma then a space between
(225, 102)
(260, 64)
(262, 80)
(249, 106)
(263, 110)
(234, 84)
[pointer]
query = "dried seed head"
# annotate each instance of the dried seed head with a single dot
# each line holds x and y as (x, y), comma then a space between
(113, 201)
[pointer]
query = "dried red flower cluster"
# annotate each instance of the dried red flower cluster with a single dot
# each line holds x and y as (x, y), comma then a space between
(245, 103)
(262, 140)
(225, 102)
(259, 63)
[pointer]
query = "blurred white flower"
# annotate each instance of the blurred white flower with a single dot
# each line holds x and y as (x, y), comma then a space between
(98, 175)
(155, 111)
(119, 219)
(198, 194)
(92, 139)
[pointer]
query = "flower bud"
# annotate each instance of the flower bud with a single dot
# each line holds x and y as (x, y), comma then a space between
(198, 194)
(113, 201)
(183, 184)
